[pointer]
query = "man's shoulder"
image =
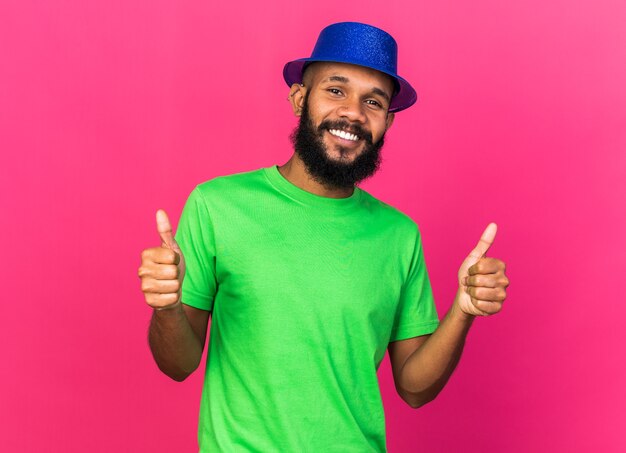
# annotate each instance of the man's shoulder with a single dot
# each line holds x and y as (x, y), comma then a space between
(232, 183)
(389, 213)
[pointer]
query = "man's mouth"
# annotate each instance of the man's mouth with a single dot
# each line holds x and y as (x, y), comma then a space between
(343, 134)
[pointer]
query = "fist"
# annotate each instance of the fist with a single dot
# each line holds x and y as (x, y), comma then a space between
(482, 280)
(162, 268)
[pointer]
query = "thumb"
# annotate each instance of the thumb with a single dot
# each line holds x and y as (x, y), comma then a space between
(164, 227)
(485, 241)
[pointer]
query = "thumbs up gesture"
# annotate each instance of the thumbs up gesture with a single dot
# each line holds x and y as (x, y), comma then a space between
(482, 281)
(162, 268)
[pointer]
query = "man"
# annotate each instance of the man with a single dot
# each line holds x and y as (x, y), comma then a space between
(309, 278)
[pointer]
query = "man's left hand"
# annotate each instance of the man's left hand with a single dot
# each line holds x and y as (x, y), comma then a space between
(482, 281)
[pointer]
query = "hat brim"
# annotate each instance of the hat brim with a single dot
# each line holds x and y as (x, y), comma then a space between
(403, 99)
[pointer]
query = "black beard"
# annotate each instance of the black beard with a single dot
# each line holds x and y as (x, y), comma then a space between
(308, 144)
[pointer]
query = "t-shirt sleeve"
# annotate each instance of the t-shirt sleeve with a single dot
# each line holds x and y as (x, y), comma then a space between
(416, 313)
(196, 238)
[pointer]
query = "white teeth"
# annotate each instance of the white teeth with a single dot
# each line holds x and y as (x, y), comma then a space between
(344, 134)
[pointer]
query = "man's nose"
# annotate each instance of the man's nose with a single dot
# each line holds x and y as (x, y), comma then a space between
(352, 110)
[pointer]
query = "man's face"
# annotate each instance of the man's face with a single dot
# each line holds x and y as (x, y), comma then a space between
(343, 120)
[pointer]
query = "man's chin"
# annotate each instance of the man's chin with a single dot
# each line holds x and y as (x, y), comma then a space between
(341, 154)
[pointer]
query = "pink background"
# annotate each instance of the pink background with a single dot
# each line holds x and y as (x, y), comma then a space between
(110, 110)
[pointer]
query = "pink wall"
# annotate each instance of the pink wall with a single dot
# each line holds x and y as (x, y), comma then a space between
(110, 110)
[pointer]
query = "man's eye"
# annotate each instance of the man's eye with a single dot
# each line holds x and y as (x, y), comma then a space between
(334, 91)
(374, 103)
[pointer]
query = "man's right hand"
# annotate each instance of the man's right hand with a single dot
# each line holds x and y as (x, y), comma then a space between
(162, 268)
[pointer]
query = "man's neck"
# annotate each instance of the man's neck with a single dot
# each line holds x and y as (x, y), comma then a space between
(295, 172)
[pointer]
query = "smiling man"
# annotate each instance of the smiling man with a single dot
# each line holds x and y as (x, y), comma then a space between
(309, 279)
(344, 113)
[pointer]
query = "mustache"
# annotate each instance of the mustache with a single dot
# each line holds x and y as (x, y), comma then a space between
(346, 126)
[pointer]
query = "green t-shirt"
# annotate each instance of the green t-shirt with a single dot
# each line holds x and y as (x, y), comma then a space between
(306, 293)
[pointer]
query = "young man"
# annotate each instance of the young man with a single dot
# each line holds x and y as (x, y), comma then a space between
(309, 278)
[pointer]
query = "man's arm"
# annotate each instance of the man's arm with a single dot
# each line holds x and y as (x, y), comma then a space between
(177, 332)
(176, 337)
(422, 365)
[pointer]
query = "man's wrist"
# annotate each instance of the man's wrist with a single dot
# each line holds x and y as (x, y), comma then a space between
(458, 312)
(169, 307)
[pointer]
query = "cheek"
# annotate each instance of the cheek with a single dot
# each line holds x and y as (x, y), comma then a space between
(317, 108)
(378, 129)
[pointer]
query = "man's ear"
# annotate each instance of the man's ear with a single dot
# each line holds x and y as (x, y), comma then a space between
(389, 120)
(296, 98)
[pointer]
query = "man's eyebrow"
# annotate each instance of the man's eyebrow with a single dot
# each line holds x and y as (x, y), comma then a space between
(380, 92)
(375, 90)
(337, 78)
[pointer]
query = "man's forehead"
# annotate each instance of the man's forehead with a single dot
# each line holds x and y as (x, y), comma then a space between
(343, 72)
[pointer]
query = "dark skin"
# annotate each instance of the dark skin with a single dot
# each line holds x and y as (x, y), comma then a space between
(339, 91)
(177, 332)
(421, 365)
